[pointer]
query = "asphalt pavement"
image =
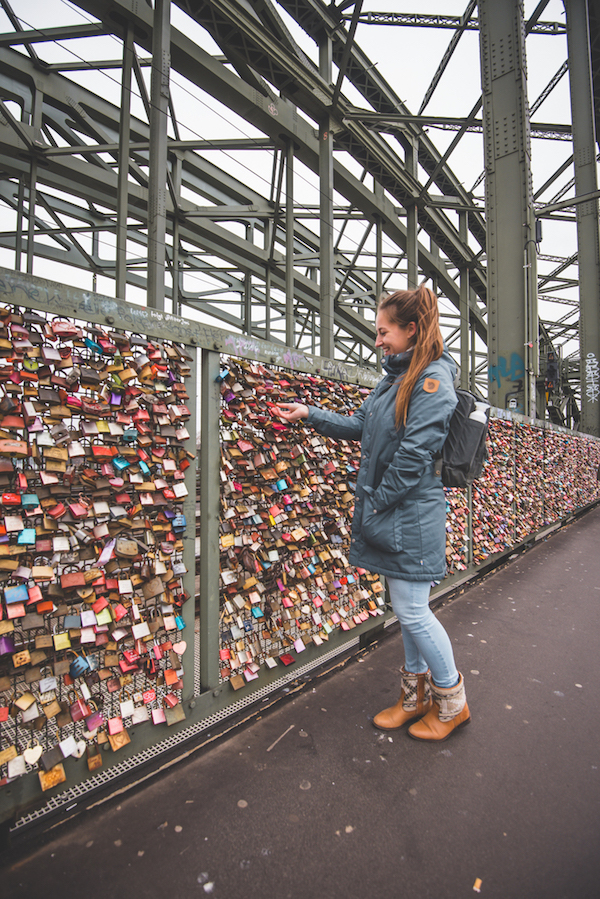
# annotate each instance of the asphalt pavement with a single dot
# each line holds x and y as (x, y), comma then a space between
(310, 800)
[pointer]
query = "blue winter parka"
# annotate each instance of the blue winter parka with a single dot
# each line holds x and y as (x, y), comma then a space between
(399, 523)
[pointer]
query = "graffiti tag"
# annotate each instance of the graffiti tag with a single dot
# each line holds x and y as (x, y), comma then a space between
(592, 378)
(502, 370)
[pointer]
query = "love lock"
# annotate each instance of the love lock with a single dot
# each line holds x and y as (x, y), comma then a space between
(79, 749)
(79, 666)
(32, 754)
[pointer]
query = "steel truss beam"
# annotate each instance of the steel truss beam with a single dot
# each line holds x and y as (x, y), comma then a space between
(455, 23)
(240, 257)
(186, 53)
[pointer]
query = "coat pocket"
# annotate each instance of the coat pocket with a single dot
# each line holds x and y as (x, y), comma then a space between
(382, 530)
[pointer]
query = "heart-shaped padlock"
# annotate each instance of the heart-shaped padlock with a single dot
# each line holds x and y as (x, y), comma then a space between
(32, 754)
(79, 749)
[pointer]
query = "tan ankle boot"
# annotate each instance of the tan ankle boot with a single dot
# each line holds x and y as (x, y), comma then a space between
(448, 712)
(415, 701)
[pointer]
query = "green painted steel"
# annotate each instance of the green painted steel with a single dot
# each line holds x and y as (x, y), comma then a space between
(588, 233)
(157, 176)
(209, 520)
(512, 291)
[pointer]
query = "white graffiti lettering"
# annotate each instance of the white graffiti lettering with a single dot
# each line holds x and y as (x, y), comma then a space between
(592, 378)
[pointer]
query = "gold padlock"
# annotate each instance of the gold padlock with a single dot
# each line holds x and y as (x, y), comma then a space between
(94, 757)
(52, 708)
(7, 754)
(118, 741)
(53, 777)
(43, 641)
(21, 658)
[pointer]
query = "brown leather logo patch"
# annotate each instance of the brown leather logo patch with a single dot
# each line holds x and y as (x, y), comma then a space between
(430, 385)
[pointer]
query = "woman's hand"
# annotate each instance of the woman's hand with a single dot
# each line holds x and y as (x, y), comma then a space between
(291, 412)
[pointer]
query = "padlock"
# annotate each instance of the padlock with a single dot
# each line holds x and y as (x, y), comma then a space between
(78, 708)
(16, 594)
(118, 740)
(120, 463)
(31, 712)
(179, 523)
(79, 666)
(21, 655)
(50, 758)
(126, 705)
(95, 719)
(71, 580)
(173, 713)
(131, 655)
(48, 683)
(52, 707)
(7, 644)
(126, 548)
(93, 756)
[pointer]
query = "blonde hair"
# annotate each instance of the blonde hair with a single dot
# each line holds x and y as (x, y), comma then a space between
(419, 306)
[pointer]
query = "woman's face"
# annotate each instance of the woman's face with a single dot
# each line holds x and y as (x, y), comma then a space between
(391, 337)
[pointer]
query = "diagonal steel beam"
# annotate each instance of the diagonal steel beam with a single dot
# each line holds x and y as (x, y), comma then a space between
(63, 33)
(448, 54)
(351, 188)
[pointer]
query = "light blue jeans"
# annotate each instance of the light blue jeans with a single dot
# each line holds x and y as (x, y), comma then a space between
(426, 643)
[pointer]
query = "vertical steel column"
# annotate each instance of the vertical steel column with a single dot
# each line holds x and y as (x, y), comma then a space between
(95, 255)
(289, 245)
(189, 537)
(123, 175)
(269, 232)
(19, 231)
(327, 281)
(31, 214)
(247, 299)
(463, 226)
(473, 378)
(36, 122)
(379, 196)
(378, 258)
(512, 296)
(157, 178)
(209, 521)
(412, 246)
(176, 258)
(586, 181)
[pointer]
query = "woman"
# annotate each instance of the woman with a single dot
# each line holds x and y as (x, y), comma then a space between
(399, 525)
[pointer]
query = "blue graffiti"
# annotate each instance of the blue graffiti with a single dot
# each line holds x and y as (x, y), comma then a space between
(516, 370)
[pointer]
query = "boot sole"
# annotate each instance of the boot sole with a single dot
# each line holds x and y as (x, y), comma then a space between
(442, 739)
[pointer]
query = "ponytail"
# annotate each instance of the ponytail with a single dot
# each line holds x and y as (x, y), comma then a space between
(418, 306)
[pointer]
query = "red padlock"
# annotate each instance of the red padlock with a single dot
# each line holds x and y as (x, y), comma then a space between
(78, 709)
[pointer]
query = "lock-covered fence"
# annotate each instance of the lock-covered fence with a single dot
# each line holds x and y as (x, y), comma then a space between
(286, 505)
(117, 645)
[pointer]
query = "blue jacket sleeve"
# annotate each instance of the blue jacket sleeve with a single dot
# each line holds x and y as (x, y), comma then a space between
(333, 424)
(426, 429)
